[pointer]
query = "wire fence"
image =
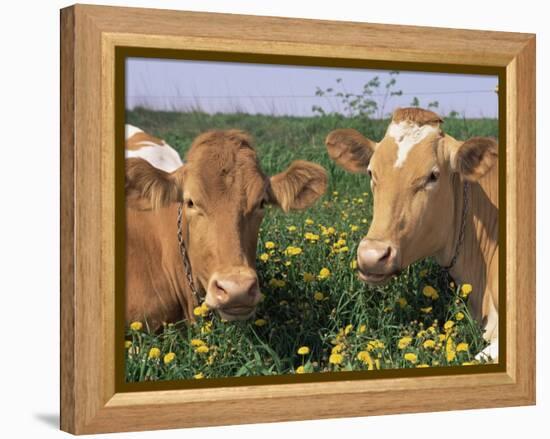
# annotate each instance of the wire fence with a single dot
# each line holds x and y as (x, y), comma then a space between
(419, 93)
(302, 105)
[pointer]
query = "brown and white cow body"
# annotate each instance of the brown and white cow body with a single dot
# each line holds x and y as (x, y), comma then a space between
(223, 193)
(417, 175)
(156, 151)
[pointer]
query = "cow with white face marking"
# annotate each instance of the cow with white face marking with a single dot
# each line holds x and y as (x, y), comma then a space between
(192, 233)
(433, 196)
(157, 152)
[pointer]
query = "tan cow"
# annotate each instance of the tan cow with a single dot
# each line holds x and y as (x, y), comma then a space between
(420, 177)
(223, 194)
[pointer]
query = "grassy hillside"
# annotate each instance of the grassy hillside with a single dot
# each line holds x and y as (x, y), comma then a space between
(312, 296)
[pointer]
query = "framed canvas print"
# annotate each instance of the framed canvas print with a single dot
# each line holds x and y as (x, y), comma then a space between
(273, 219)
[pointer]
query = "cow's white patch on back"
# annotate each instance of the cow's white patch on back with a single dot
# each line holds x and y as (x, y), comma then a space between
(406, 135)
(160, 156)
(131, 130)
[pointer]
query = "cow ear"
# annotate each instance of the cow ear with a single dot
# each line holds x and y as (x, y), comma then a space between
(299, 186)
(350, 150)
(473, 158)
(151, 187)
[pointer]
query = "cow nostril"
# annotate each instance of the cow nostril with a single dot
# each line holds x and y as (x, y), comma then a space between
(386, 254)
(220, 291)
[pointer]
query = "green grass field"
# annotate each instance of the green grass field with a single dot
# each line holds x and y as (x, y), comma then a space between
(312, 298)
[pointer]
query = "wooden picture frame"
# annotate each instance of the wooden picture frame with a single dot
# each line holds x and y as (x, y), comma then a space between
(90, 38)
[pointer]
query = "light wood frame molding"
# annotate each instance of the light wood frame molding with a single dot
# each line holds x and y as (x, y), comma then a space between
(89, 37)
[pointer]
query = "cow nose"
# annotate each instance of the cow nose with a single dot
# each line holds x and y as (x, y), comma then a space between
(376, 256)
(237, 289)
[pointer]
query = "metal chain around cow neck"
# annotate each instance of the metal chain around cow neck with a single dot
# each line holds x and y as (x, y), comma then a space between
(462, 231)
(185, 256)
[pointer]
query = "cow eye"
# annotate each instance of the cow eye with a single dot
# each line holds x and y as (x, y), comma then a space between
(433, 177)
(189, 203)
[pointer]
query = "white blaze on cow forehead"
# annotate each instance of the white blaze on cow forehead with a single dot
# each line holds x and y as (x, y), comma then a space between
(406, 135)
(131, 130)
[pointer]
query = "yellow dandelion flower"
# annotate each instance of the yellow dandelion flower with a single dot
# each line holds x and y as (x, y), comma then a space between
(336, 349)
(429, 344)
(354, 228)
(430, 292)
(303, 350)
(402, 302)
(277, 283)
(136, 326)
(309, 277)
(201, 311)
(169, 357)
(318, 296)
(327, 231)
(409, 356)
(339, 243)
(293, 251)
(199, 376)
(462, 347)
(127, 344)
(197, 342)
(336, 359)
(404, 342)
(300, 370)
(348, 329)
(260, 322)
(335, 193)
(324, 273)
(465, 290)
(311, 236)
(353, 264)
(441, 337)
(362, 328)
(154, 353)
(422, 365)
(450, 351)
(309, 221)
(269, 245)
(423, 273)
(291, 228)
(375, 344)
(206, 328)
(365, 358)
(202, 349)
(459, 316)
(264, 257)
(449, 324)
(426, 310)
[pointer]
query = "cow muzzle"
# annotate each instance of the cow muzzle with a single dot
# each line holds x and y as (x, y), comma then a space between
(234, 293)
(377, 261)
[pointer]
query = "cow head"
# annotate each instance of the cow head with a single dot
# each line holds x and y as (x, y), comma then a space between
(414, 172)
(224, 194)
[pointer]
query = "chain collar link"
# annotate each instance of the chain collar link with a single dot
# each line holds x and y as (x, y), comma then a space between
(184, 255)
(462, 231)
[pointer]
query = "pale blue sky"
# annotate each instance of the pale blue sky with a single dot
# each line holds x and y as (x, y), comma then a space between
(290, 90)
